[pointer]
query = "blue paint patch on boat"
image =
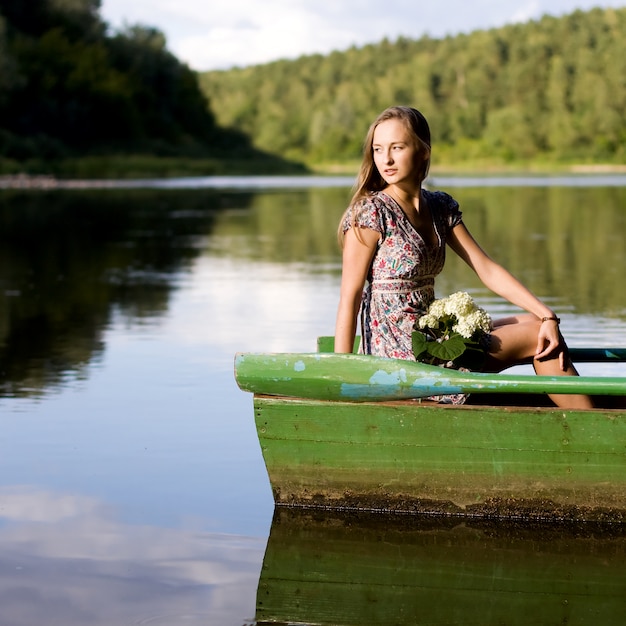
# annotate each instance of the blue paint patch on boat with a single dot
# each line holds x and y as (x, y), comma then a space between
(299, 366)
(356, 392)
(381, 377)
(435, 388)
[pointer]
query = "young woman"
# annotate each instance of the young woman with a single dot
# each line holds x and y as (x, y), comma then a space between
(394, 236)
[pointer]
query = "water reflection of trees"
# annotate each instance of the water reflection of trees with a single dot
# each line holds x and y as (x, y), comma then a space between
(68, 260)
(563, 242)
(296, 226)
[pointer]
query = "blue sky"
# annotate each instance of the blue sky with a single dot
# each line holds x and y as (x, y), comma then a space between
(219, 35)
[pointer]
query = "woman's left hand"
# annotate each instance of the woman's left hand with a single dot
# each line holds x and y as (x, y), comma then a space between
(549, 341)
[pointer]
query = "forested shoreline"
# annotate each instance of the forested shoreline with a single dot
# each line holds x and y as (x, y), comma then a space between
(548, 92)
(77, 100)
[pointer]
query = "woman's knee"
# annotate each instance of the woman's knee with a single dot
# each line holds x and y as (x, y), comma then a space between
(515, 343)
(524, 318)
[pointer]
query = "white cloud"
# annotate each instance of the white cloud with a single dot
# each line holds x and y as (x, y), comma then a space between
(245, 32)
(527, 11)
(88, 568)
(35, 505)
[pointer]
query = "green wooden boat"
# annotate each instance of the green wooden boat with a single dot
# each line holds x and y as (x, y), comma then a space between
(345, 569)
(357, 432)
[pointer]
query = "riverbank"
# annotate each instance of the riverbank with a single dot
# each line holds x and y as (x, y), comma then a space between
(107, 171)
(126, 167)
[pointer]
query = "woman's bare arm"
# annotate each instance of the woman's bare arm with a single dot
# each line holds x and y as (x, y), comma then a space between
(357, 258)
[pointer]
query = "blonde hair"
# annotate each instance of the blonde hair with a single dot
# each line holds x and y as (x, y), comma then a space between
(369, 179)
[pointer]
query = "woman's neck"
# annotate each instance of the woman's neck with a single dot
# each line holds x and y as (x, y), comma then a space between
(406, 198)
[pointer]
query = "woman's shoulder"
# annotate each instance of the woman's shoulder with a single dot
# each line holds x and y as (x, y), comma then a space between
(444, 205)
(440, 198)
(368, 211)
(375, 199)
(375, 203)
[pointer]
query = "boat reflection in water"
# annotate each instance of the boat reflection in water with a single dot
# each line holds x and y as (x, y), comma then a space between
(341, 569)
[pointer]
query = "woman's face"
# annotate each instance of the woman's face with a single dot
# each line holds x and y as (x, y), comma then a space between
(394, 153)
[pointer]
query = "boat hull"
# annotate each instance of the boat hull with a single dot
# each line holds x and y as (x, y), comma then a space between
(421, 457)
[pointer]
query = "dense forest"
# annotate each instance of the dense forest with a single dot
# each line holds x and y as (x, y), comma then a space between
(550, 90)
(70, 88)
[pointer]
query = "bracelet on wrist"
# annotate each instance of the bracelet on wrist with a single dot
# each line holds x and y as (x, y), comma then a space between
(551, 318)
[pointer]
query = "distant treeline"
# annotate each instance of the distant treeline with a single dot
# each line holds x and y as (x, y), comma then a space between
(71, 88)
(552, 89)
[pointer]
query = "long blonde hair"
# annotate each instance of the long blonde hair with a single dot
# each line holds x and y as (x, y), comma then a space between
(369, 179)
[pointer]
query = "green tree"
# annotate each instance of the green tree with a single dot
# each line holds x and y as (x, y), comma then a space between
(553, 87)
(68, 88)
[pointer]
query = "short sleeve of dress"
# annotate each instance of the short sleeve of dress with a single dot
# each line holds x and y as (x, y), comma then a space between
(452, 213)
(364, 214)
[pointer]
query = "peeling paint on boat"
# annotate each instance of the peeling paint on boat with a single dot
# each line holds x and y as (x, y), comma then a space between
(353, 391)
(299, 366)
(381, 377)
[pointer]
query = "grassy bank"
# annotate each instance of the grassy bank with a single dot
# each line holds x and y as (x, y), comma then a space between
(140, 166)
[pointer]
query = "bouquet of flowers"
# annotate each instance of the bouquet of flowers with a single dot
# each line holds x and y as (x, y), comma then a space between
(450, 332)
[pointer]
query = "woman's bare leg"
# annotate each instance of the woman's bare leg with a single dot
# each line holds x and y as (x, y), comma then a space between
(514, 342)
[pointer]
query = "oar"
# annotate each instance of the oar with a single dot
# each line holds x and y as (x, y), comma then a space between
(326, 343)
(358, 378)
(597, 355)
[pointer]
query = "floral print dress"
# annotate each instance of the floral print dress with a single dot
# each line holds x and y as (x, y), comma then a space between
(401, 279)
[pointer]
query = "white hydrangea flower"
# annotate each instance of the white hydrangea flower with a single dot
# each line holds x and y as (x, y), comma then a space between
(461, 307)
(459, 304)
(474, 321)
(429, 320)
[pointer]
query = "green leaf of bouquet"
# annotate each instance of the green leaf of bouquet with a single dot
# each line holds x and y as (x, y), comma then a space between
(473, 359)
(447, 350)
(419, 342)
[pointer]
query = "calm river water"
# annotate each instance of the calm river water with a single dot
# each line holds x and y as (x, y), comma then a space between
(132, 487)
